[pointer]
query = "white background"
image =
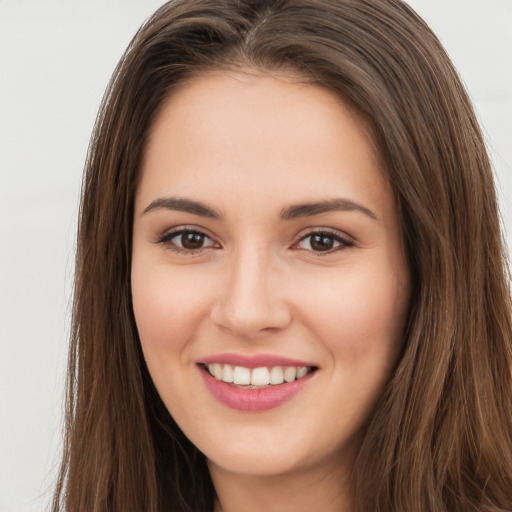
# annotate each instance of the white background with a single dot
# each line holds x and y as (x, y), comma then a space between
(56, 57)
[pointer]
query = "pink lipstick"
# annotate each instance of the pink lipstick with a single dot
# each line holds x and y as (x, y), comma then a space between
(254, 383)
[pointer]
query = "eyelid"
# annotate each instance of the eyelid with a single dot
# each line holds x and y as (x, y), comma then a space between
(166, 237)
(344, 240)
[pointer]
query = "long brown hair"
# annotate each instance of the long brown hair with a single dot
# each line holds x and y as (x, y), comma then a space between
(440, 438)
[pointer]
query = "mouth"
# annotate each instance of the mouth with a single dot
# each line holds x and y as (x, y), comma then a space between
(257, 378)
(256, 383)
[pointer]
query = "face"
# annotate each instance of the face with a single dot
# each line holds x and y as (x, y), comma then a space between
(269, 283)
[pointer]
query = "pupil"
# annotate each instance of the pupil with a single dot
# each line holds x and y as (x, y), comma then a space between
(321, 243)
(192, 240)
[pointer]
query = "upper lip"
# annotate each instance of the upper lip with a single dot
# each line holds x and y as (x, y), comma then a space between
(254, 361)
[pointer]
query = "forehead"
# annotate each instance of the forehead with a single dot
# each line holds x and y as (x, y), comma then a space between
(223, 131)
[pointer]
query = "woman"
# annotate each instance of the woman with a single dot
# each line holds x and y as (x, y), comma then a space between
(291, 287)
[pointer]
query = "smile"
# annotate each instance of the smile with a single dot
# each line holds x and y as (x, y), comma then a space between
(253, 384)
(257, 378)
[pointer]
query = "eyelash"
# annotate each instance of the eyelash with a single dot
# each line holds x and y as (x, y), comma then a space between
(344, 243)
(166, 239)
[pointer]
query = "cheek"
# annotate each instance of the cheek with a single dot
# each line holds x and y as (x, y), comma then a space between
(161, 305)
(154, 311)
(163, 315)
(171, 308)
(360, 315)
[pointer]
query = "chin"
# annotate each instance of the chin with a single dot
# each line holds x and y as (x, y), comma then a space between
(256, 463)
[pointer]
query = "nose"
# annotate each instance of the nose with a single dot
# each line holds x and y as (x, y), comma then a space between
(251, 303)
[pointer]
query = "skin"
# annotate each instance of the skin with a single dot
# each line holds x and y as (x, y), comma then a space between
(249, 147)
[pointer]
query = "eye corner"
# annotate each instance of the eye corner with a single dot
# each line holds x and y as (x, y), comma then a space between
(322, 242)
(187, 240)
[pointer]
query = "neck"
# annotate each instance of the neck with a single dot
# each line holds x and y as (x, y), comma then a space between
(325, 489)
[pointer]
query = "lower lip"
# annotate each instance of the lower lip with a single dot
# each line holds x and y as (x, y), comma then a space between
(244, 399)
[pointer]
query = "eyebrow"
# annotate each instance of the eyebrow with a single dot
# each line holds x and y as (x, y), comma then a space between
(332, 205)
(290, 213)
(183, 205)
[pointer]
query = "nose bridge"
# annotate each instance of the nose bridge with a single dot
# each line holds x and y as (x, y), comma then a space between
(251, 301)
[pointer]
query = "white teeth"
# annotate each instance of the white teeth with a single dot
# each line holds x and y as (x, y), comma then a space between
(217, 371)
(290, 372)
(241, 376)
(260, 377)
(276, 375)
(227, 373)
(302, 372)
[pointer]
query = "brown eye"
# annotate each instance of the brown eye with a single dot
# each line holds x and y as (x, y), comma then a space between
(191, 240)
(323, 242)
(187, 240)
